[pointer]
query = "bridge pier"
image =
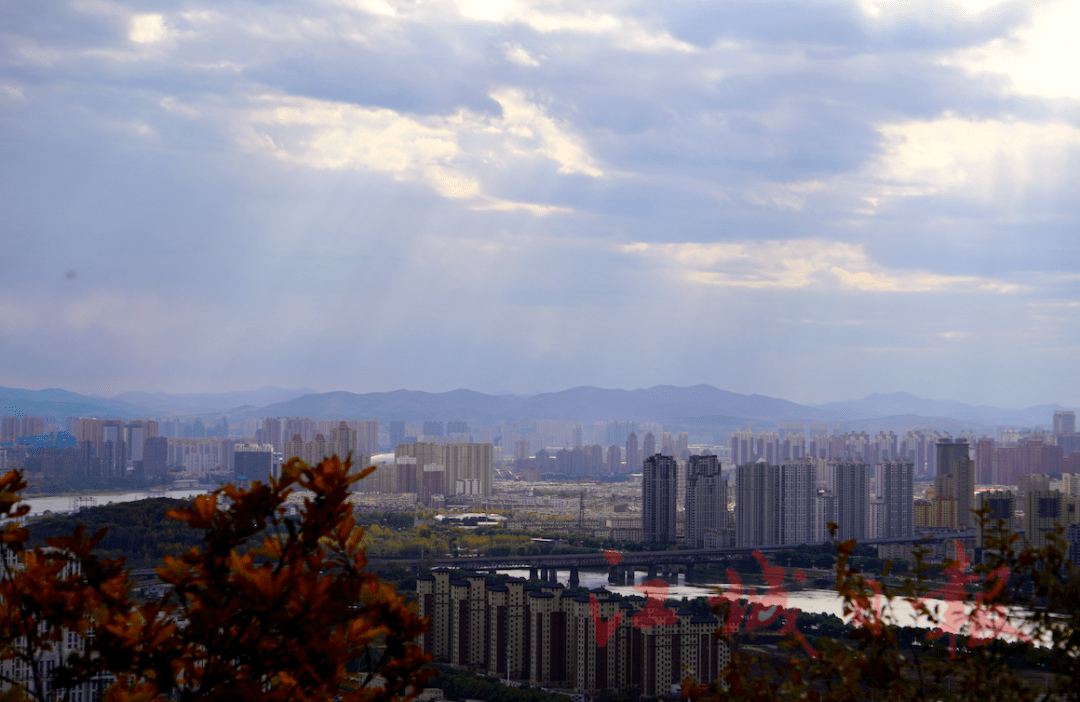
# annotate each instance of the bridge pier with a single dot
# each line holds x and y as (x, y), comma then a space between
(614, 576)
(689, 571)
(652, 571)
(575, 578)
(629, 575)
(532, 573)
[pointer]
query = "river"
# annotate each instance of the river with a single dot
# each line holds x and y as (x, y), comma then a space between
(68, 503)
(810, 600)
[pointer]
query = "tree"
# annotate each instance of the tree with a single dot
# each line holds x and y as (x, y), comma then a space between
(976, 652)
(270, 607)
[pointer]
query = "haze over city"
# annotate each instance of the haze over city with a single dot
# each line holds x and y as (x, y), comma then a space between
(813, 200)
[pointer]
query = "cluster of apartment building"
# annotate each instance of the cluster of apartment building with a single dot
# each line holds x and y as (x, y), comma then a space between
(791, 502)
(547, 636)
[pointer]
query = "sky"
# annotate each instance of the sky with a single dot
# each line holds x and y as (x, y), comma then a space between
(808, 199)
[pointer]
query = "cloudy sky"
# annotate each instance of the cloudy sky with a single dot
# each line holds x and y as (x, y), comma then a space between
(808, 199)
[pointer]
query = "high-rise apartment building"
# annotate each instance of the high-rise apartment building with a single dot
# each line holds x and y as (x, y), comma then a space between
(154, 456)
(774, 504)
(742, 447)
(706, 501)
(768, 448)
(396, 430)
(304, 426)
(1000, 511)
(32, 426)
(756, 505)
(898, 487)
(367, 435)
(467, 465)
(956, 479)
(270, 433)
(659, 494)
(343, 442)
(546, 636)
(798, 488)
(1065, 422)
(521, 450)
(432, 478)
(614, 459)
(648, 445)
(408, 478)
(112, 450)
(1047, 511)
(468, 462)
(633, 458)
(136, 434)
(851, 485)
(984, 460)
(254, 461)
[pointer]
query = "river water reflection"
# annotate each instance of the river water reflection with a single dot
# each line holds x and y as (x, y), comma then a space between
(811, 600)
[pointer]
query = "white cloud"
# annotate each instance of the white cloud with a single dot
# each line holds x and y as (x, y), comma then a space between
(995, 161)
(331, 135)
(490, 204)
(552, 139)
(1041, 59)
(516, 53)
(147, 29)
(925, 9)
(785, 196)
(799, 263)
(453, 185)
(454, 154)
(543, 16)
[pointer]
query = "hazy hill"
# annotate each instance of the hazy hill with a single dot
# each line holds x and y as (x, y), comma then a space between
(209, 402)
(697, 405)
(59, 403)
(901, 403)
(701, 407)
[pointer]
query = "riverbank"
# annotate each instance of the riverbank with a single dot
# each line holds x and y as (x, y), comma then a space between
(71, 502)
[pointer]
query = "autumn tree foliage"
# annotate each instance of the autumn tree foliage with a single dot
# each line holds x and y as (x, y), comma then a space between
(271, 606)
(1004, 629)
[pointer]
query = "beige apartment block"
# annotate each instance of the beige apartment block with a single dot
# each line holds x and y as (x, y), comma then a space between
(547, 636)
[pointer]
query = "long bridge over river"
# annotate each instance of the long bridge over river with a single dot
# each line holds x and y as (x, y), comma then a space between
(622, 564)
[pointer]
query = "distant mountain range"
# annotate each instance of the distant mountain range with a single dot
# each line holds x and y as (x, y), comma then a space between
(211, 403)
(701, 407)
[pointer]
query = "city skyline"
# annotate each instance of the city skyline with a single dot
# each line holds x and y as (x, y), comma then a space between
(520, 196)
